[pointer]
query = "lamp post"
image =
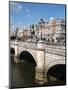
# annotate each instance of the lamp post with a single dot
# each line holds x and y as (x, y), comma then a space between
(41, 25)
(32, 32)
(37, 31)
(41, 29)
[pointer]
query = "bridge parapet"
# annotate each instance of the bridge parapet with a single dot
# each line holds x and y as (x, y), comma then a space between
(37, 44)
(24, 44)
(41, 46)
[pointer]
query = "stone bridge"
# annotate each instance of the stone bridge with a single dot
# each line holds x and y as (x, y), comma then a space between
(45, 55)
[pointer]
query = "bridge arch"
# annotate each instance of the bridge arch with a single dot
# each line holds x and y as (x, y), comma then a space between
(27, 56)
(57, 69)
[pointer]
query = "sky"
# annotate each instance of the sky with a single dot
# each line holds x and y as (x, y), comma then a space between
(23, 14)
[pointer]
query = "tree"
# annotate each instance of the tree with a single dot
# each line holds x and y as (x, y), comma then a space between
(33, 32)
(32, 26)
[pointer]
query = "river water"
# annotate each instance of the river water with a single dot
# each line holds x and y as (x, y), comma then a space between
(23, 75)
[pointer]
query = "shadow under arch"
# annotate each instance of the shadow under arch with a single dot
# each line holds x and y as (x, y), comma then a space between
(58, 71)
(12, 51)
(26, 56)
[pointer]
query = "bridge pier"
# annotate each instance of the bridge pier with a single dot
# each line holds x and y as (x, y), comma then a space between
(40, 69)
(16, 57)
(41, 77)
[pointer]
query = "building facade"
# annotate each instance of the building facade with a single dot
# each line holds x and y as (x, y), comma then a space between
(53, 31)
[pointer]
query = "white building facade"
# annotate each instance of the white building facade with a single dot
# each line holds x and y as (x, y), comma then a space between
(52, 31)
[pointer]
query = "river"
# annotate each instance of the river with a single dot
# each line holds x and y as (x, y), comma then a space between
(23, 75)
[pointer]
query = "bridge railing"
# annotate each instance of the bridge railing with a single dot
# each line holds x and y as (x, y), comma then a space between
(55, 46)
(50, 44)
(28, 45)
(24, 44)
(44, 44)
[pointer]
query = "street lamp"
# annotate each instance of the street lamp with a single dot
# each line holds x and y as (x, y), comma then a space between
(41, 25)
(32, 32)
(37, 29)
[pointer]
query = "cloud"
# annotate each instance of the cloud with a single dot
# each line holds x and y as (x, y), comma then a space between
(28, 15)
(19, 8)
(15, 6)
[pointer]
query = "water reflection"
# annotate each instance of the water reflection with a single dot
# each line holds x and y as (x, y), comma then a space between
(22, 74)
